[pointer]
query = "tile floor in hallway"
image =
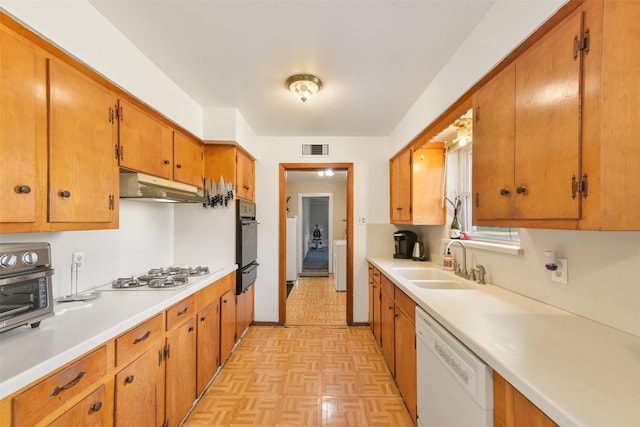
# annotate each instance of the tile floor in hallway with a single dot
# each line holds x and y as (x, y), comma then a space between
(319, 375)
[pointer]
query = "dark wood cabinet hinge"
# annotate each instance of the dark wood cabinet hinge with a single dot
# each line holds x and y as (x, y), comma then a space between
(477, 114)
(111, 115)
(581, 44)
(160, 357)
(477, 200)
(112, 202)
(580, 186)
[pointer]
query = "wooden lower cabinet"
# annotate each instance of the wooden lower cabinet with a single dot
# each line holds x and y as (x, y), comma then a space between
(207, 345)
(94, 410)
(139, 390)
(244, 310)
(388, 337)
(374, 302)
(180, 372)
(512, 409)
(227, 324)
(405, 342)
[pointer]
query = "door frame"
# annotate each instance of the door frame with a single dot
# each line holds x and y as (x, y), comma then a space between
(282, 258)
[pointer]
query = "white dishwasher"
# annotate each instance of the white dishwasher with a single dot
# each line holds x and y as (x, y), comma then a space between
(455, 387)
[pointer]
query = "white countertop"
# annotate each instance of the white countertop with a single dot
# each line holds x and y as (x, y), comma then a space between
(579, 372)
(28, 354)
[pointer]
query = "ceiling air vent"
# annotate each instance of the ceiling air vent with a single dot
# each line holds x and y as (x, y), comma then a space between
(313, 150)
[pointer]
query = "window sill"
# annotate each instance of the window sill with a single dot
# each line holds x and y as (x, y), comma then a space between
(491, 246)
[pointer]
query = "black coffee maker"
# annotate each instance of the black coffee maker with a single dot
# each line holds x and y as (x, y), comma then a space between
(405, 240)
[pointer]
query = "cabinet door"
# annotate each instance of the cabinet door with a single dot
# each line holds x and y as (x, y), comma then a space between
(245, 176)
(145, 144)
(494, 147)
(227, 324)
(406, 361)
(548, 136)
(400, 180)
(208, 345)
(244, 310)
(94, 410)
(188, 160)
(18, 87)
(181, 372)
(512, 409)
(139, 389)
(377, 304)
(83, 171)
(427, 180)
(388, 331)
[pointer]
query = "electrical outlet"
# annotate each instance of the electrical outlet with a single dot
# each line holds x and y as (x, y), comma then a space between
(560, 275)
(361, 220)
(78, 258)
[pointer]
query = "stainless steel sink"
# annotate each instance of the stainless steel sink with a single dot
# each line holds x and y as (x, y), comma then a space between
(424, 273)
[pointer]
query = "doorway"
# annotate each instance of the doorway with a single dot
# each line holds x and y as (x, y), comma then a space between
(316, 225)
(348, 234)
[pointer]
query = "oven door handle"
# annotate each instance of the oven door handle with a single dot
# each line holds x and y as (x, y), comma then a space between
(250, 222)
(250, 268)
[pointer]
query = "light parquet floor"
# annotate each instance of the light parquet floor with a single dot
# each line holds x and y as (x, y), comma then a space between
(315, 301)
(320, 375)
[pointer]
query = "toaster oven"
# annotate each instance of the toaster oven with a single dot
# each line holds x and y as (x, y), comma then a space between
(26, 290)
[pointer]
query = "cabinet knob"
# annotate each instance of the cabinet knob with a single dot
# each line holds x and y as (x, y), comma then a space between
(178, 166)
(505, 192)
(521, 190)
(129, 379)
(96, 406)
(64, 194)
(166, 162)
(23, 189)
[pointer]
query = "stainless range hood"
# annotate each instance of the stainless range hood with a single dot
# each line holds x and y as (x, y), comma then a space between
(139, 186)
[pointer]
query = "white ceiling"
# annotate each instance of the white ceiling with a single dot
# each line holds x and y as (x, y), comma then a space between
(374, 57)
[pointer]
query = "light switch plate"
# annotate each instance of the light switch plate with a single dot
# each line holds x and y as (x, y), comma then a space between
(561, 274)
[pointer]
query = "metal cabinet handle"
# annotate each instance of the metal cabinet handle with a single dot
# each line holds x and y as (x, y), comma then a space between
(191, 329)
(64, 194)
(183, 311)
(142, 338)
(23, 189)
(129, 379)
(203, 318)
(505, 192)
(96, 406)
(521, 190)
(166, 162)
(56, 391)
(178, 166)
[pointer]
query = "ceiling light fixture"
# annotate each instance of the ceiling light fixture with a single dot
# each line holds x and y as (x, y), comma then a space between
(304, 86)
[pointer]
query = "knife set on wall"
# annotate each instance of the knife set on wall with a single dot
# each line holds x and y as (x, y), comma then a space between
(217, 193)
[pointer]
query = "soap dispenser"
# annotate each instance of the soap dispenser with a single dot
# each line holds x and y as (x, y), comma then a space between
(448, 261)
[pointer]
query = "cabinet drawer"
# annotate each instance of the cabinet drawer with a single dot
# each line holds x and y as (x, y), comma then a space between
(406, 304)
(206, 296)
(387, 286)
(180, 312)
(136, 341)
(93, 410)
(41, 399)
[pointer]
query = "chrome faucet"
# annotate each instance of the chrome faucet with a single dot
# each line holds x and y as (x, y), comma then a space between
(460, 272)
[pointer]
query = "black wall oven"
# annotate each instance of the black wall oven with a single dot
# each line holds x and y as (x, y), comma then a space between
(246, 245)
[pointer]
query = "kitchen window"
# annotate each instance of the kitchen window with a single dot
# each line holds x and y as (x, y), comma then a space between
(464, 159)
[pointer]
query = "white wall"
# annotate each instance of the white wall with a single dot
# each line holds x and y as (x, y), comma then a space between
(144, 240)
(371, 201)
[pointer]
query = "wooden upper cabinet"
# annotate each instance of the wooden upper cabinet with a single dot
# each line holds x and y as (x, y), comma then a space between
(83, 171)
(245, 175)
(427, 184)
(18, 103)
(547, 132)
(145, 143)
(188, 160)
(400, 180)
(527, 134)
(416, 181)
(232, 164)
(494, 147)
